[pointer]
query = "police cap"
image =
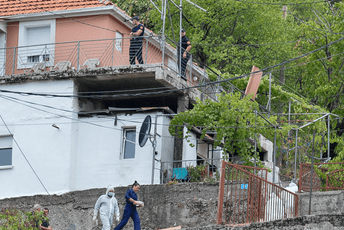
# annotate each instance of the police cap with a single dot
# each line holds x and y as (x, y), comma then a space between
(135, 18)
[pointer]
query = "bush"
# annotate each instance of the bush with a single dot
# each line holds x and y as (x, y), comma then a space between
(14, 219)
(197, 173)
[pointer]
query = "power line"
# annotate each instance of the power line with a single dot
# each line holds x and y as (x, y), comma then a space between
(271, 3)
(311, 25)
(174, 90)
(60, 15)
(16, 100)
(33, 170)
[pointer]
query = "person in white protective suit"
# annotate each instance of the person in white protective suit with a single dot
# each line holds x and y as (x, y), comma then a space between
(107, 205)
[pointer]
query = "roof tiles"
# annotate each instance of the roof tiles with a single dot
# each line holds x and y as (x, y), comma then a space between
(17, 7)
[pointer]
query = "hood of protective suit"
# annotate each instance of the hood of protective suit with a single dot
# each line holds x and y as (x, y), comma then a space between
(110, 187)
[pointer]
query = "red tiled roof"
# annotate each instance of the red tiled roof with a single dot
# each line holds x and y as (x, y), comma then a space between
(15, 7)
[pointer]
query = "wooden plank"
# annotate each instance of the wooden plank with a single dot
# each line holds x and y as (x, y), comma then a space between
(253, 83)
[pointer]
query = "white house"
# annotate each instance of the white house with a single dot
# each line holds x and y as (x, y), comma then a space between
(76, 126)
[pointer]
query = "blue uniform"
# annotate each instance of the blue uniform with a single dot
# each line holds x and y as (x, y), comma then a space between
(136, 45)
(185, 43)
(130, 211)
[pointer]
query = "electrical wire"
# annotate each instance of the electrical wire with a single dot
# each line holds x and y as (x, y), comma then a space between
(266, 44)
(33, 170)
(272, 3)
(60, 15)
(311, 25)
(186, 88)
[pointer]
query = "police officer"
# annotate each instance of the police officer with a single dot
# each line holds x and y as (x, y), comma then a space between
(184, 53)
(136, 41)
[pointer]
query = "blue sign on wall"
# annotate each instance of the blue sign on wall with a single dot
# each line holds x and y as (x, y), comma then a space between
(244, 186)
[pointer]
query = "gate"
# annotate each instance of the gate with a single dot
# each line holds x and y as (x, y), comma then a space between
(245, 196)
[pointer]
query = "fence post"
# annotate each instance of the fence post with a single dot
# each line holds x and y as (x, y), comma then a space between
(221, 193)
(44, 56)
(78, 57)
(113, 51)
(191, 68)
(327, 184)
(14, 59)
(300, 180)
(146, 50)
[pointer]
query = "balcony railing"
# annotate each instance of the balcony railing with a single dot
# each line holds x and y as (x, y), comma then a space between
(104, 53)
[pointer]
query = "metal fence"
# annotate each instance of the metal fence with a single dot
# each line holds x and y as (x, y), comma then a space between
(334, 180)
(91, 54)
(190, 170)
(246, 196)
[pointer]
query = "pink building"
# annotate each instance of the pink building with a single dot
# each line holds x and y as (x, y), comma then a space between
(41, 36)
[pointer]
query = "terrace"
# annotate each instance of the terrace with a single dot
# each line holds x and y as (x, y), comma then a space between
(103, 65)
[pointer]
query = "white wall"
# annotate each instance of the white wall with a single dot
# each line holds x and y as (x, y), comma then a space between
(45, 147)
(202, 149)
(83, 153)
(2, 50)
(269, 147)
(189, 153)
(3, 26)
(99, 158)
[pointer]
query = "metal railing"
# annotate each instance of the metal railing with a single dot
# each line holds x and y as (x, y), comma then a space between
(91, 54)
(334, 180)
(196, 72)
(246, 196)
(190, 170)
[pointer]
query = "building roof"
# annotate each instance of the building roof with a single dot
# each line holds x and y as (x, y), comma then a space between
(19, 7)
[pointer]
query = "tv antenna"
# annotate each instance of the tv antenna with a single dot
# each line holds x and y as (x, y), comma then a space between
(144, 134)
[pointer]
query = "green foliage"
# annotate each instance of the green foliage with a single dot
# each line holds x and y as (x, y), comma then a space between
(213, 179)
(14, 219)
(232, 36)
(172, 182)
(232, 118)
(197, 173)
(142, 9)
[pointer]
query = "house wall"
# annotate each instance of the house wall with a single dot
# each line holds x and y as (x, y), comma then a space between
(268, 158)
(189, 152)
(2, 51)
(83, 153)
(71, 30)
(202, 149)
(99, 157)
(45, 147)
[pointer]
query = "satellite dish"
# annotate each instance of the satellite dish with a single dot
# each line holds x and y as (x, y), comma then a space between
(145, 131)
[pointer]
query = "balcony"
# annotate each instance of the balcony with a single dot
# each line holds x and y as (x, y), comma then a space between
(103, 65)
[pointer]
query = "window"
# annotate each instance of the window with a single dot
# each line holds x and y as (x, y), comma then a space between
(129, 142)
(6, 152)
(37, 38)
(119, 41)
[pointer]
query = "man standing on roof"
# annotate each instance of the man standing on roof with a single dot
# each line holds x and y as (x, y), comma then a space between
(136, 41)
(107, 205)
(183, 53)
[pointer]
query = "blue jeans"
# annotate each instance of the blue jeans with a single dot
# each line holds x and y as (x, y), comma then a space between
(129, 211)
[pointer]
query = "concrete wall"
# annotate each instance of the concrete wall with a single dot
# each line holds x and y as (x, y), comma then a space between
(331, 202)
(320, 222)
(188, 204)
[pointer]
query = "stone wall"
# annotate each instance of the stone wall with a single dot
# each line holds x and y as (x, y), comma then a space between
(320, 222)
(187, 204)
(331, 202)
